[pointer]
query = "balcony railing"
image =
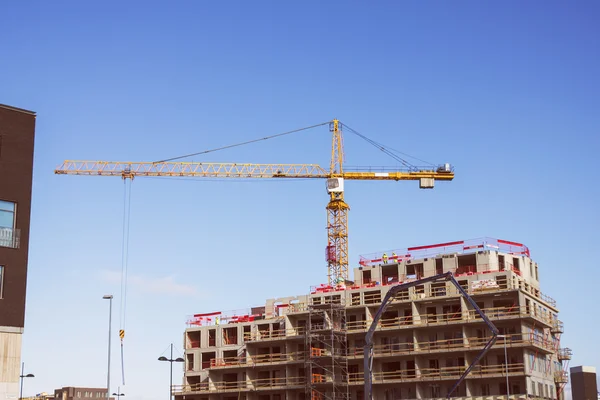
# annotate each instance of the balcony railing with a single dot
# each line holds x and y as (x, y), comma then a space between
(424, 374)
(378, 377)
(10, 238)
(235, 386)
(565, 354)
(273, 334)
(449, 372)
(557, 327)
(561, 377)
(471, 343)
(494, 313)
(244, 361)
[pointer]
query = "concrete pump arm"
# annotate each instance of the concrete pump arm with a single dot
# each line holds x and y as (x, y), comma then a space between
(387, 300)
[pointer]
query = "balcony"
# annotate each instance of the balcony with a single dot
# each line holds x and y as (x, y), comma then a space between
(557, 327)
(561, 377)
(10, 238)
(564, 354)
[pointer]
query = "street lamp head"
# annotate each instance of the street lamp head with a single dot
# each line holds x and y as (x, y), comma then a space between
(27, 376)
(107, 296)
(179, 359)
(163, 358)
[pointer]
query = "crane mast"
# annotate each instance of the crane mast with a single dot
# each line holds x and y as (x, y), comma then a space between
(337, 212)
(337, 208)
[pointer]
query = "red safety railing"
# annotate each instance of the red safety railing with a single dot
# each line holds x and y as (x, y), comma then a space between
(432, 250)
(222, 317)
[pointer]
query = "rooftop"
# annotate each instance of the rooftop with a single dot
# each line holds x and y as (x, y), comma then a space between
(22, 110)
(407, 255)
(459, 247)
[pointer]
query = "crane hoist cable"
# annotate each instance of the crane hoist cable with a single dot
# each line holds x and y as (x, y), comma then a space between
(124, 263)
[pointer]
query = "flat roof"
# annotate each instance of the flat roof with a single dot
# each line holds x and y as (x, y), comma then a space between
(17, 109)
(583, 368)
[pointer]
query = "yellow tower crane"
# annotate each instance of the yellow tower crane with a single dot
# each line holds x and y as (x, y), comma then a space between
(337, 208)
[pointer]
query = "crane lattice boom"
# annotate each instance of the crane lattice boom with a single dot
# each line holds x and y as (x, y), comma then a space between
(130, 169)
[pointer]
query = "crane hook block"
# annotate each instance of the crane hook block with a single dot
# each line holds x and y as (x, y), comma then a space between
(122, 334)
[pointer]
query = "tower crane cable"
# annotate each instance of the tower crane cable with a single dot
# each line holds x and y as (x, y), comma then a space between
(124, 269)
(380, 147)
(387, 150)
(242, 143)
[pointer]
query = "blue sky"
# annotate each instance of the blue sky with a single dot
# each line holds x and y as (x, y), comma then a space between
(508, 93)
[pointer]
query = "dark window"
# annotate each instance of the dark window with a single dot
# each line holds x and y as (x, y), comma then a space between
(439, 266)
(366, 277)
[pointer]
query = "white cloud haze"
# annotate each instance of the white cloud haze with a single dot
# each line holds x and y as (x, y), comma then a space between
(158, 285)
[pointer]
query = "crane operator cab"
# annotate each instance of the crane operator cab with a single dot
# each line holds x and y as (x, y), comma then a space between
(335, 185)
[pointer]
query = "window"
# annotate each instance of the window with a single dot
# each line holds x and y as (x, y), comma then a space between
(1, 281)
(7, 223)
(530, 269)
(7, 214)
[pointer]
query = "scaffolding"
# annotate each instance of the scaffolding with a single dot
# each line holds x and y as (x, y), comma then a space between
(326, 344)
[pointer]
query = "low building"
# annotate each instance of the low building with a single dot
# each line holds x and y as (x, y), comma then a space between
(77, 393)
(584, 385)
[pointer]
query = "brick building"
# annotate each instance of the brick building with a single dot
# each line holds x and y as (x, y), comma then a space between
(80, 393)
(17, 131)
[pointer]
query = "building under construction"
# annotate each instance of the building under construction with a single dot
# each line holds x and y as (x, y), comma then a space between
(311, 346)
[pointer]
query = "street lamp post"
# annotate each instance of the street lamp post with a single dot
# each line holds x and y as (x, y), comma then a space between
(108, 297)
(118, 394)
(171, 361)
(23, 376)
